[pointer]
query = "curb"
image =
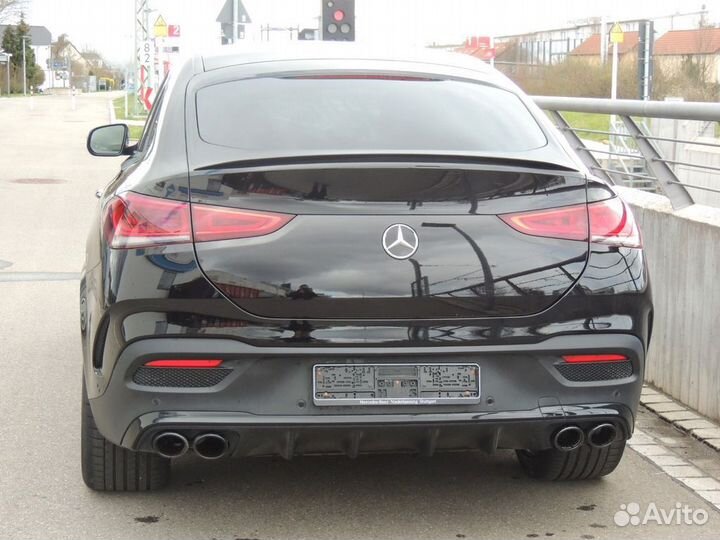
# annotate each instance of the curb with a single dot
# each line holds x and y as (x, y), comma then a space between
(681, 416)
(675, 466)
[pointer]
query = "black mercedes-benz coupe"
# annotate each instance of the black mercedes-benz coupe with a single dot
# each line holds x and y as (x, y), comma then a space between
(323, 250)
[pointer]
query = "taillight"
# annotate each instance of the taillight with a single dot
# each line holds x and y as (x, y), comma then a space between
(612, 222)
(132, 220)
(606, 222)
(592, 358)
(221, 223)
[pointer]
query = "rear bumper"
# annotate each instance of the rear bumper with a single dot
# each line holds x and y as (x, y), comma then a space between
(286, 436)
(265, 404)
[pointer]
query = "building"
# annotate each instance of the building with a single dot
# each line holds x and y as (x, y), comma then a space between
(69, 66)
(40, 41)
(700, 46)
(591, 49)
(94, 60)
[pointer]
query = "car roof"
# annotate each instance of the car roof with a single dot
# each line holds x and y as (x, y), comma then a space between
(403, 59)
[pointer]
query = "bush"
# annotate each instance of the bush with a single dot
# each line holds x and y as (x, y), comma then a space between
(583, 78)
(576, 77)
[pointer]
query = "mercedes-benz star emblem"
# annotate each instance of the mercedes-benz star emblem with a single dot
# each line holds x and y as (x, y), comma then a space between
(400, 241)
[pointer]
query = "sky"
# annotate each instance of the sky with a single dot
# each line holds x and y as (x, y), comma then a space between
(107, 26)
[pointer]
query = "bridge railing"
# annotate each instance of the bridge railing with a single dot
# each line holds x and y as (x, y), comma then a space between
(634, 154)
(647, 149)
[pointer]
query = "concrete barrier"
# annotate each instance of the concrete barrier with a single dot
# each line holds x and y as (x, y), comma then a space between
(683, 252)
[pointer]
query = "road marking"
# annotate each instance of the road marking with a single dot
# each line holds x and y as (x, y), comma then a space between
(39, 276)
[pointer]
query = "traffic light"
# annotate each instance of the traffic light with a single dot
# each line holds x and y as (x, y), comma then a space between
(338, 20)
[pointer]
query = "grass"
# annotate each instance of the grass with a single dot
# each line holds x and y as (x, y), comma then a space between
(599, 122)
(135, 132)
(135, 110)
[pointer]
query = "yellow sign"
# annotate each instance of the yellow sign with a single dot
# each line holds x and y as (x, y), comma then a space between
(161, 28)
(616, 34)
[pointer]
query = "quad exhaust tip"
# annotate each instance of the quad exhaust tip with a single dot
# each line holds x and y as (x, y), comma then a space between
(602, 435)
(210, 446)
(170, 444)
(568, 438)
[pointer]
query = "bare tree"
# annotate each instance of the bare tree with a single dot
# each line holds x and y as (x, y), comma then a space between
(10, 8)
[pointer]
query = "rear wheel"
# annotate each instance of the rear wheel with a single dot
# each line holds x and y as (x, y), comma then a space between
(583, 463)
(108, 467)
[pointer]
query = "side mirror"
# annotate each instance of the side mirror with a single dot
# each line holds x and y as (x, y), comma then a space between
(110, 140)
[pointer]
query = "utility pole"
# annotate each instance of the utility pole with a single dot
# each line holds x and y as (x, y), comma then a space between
(235, 17)
(24, 38)
(616, 37)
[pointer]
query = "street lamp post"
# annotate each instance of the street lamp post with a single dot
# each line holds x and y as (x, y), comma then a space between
(7, 67)
(24, 39)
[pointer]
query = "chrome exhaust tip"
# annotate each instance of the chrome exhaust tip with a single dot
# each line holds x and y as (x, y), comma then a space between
(602, 435)
(170, 444)
(210, 446)
(568, 438)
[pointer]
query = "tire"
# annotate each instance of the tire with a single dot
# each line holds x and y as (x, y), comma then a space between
(108, 467)
(583, 463)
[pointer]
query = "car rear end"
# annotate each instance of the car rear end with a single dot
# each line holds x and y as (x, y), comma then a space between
(366, 256)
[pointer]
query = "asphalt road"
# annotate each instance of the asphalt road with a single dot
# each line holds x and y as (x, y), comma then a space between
(451, 496)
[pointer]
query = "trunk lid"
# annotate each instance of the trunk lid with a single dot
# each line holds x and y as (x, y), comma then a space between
(391, 240)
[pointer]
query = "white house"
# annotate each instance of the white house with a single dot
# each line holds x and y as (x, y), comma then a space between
(40, 40)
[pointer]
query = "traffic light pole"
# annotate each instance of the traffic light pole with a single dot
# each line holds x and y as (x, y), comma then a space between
(24, 40)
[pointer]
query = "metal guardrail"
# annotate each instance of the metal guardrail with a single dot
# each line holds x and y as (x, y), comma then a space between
(631, 141)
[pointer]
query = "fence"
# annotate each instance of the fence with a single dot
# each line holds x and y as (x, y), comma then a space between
(633, 156)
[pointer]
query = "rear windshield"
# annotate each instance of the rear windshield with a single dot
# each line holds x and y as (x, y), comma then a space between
(336, 114)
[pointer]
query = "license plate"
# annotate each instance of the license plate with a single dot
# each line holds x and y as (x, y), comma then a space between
(396, 384)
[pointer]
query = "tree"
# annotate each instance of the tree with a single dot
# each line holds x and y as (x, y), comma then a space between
(12, 42)
(10, 8)
(23, 31)
(9, 40)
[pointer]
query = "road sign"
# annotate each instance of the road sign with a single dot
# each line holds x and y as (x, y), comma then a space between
(144, 94)
(226, 13)
(160, 29)
(173, 30)
(616, 34)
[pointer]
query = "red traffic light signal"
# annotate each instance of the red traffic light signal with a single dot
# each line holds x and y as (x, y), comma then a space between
(338, 20)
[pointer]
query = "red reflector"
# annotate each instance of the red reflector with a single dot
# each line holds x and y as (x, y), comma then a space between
(132, 220)
(607, 222)
(222, 223)
(588, 358)
(184, 363)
